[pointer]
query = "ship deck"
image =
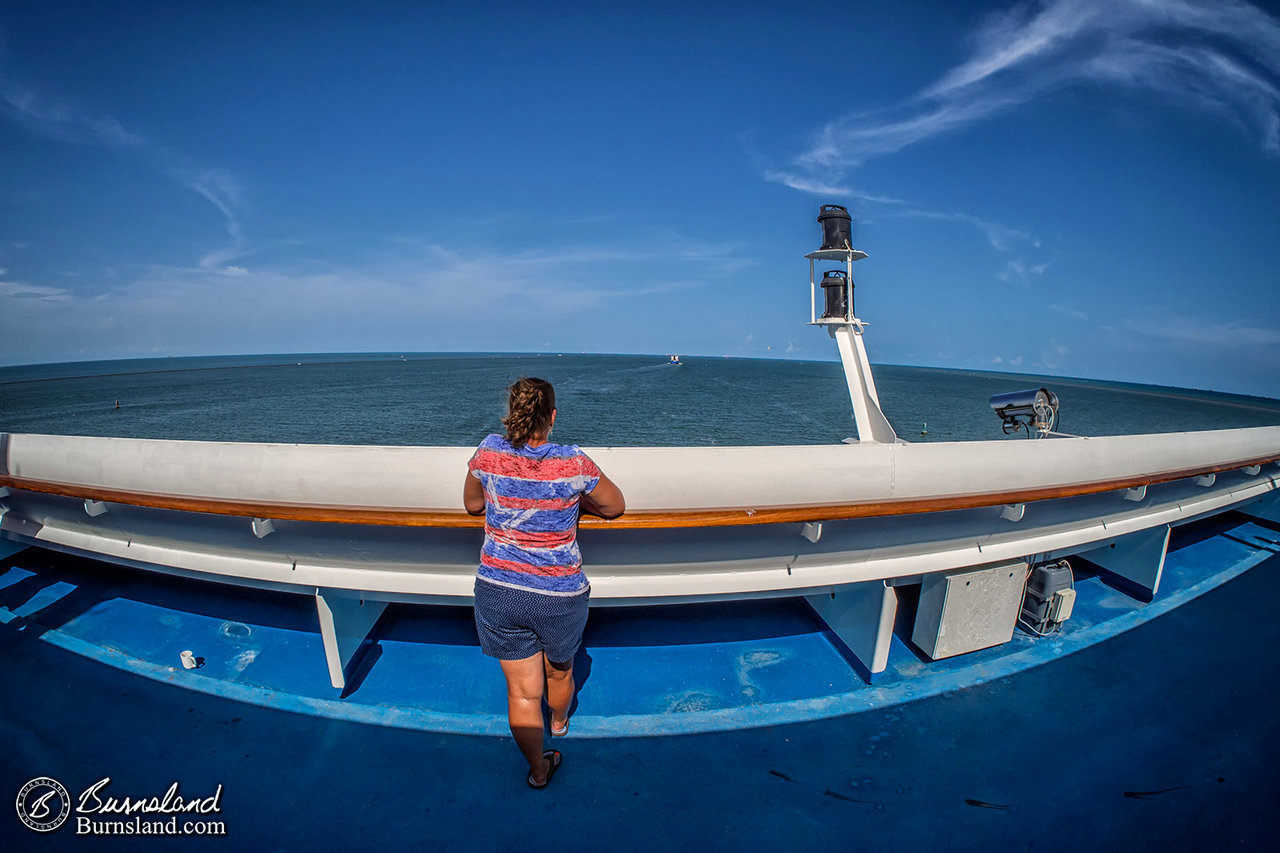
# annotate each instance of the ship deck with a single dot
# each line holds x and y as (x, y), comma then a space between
(730, 723)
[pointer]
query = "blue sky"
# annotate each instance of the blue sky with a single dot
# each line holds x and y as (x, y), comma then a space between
(1078, 188)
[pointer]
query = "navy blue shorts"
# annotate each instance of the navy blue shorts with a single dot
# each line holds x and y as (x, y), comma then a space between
(514, 624)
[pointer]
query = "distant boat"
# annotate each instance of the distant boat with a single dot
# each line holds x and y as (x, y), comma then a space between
(675, 361)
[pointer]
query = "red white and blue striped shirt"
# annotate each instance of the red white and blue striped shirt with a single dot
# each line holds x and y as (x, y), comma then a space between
(531, 497)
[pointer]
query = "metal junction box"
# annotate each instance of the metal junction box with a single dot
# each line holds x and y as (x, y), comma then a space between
(969, 609)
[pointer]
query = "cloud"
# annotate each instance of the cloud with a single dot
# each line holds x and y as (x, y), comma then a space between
(817, 187)
(1218, 55)
(1070, 312)
(853, 139)
(1053, 356)
(1233, 334)
(40, 293)
(1017, 270)
(1001, 237)
(60, 121)
(224, 192)
(413, 295)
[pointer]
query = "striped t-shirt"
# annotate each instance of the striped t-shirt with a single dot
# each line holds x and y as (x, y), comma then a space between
(531, 513)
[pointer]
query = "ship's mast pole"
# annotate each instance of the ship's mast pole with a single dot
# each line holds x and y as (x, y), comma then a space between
(847, 330)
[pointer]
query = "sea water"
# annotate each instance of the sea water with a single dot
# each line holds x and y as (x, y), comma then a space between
(603, 400)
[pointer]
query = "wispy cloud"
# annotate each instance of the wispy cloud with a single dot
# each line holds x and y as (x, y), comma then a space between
(1001, 237)
(1053, 356)
(1013, 243)
(1235, 334)
(416, 294)
(60, 120)
(1070, 312)
(57, 120)
(1018, 270)
(1219, 55)
(822, 188)
(22, 290)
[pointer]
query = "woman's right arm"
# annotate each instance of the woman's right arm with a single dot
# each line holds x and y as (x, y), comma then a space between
(605, 500)
(473, 495)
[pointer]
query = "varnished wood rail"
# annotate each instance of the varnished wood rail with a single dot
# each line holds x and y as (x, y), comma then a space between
(640, 519)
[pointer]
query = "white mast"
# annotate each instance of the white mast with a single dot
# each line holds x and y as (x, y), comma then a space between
(873, 427)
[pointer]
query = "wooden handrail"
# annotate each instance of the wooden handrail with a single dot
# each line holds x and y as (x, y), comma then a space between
(640, 519)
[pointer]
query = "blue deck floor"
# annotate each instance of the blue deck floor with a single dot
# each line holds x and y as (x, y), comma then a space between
(732, 725)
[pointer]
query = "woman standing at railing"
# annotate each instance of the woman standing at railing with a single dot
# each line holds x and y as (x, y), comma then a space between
(530, 593)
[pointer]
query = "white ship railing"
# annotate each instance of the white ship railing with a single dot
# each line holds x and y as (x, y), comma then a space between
(361, 526)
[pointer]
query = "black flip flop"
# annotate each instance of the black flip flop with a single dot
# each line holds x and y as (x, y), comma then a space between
(553, 756)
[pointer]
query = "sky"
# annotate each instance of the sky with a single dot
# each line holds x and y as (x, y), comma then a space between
(1086, 188)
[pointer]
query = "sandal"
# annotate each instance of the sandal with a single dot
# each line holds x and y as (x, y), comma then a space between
(552, 756)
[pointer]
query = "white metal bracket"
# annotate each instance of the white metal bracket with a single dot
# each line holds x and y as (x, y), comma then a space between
(1137, 493)
(1138, 557)
(263, 527)
(345, 624)
(1207, 480)
(1266, 507)
(1252, 471)
(94, 508)
(812, 530)
(1013, 512)
(861, 615)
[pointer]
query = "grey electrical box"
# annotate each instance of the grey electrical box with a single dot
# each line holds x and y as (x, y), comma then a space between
(1045, 604)
(967, 610)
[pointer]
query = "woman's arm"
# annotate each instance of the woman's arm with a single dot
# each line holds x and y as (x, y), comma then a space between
(605, 500)
(473, 495)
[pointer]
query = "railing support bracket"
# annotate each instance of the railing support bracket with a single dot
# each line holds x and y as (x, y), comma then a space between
(1266, 507)
(1138, 557)
(345, 625)
(861, 615)
(1137, 493)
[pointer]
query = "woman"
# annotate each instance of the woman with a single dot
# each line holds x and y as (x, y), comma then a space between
(531, 595)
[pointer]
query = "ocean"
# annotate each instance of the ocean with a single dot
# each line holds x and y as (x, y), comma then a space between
(603, 400)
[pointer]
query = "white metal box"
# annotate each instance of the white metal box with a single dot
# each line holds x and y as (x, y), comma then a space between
(967, 610)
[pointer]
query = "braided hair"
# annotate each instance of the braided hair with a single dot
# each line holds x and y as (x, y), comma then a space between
(529, 410)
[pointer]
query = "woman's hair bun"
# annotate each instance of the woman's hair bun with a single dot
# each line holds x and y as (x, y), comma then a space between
(529, 406)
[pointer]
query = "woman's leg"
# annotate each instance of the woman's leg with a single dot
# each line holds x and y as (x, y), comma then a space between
(559, 691)
(524, 710)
